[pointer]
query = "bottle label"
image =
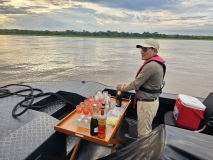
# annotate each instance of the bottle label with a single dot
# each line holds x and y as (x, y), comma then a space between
(102, 122)
(96, 130)
(118, 103)
(102, 131)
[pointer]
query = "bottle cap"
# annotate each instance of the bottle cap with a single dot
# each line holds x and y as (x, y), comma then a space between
(94, 105)
(103, 105)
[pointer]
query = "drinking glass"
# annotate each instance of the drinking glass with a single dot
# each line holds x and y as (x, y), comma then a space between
(90, 112)
(101, 98)
(86, 112)
(105, 94)
(109, 100)
(99, 93)
(99, 107)
(87, 102)
(82, 104)
(79, 111)
(96, 98)
(107, 106)
(91, 99)
(109, 95)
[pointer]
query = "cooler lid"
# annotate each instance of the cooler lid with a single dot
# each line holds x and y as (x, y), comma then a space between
(191, 101)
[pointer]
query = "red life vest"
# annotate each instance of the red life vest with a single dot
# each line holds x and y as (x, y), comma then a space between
(159, 60)
(154, 58)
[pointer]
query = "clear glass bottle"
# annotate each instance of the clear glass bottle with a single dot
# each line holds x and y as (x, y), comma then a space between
(102, 123)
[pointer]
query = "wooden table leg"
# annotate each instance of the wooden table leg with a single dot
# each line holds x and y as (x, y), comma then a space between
(75, 149)
(116, 139)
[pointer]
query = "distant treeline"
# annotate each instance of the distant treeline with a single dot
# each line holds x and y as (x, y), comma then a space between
(99, 34)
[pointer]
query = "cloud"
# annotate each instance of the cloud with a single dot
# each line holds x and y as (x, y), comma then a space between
(102, 15)
(79, 21)
(11, 10)
(4, 19)
(103, 21)
(37, 23)
(3, 1)
(136, 5)
(192, 17)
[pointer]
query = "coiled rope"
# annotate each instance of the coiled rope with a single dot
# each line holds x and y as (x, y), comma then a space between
(29, 98)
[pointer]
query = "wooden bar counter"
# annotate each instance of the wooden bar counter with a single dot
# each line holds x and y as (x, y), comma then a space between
(112, 136)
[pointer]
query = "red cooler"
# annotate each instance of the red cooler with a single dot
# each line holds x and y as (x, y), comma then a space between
(188, 112)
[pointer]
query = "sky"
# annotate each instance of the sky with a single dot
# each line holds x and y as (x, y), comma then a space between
(186, 17)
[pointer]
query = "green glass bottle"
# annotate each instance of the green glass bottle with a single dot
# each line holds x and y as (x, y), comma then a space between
(94, 122)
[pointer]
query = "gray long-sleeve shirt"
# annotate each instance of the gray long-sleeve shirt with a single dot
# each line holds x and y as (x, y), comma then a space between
(150, 77)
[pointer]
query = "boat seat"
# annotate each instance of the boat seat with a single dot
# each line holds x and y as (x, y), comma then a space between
(168, 119)
(208, 102)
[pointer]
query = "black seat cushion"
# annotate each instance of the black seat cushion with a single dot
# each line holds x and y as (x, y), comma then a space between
(168, 119)
(208, 102)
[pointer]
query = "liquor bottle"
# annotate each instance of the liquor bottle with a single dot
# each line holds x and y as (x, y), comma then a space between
(94, 122)
(102, 123)
(118, 99)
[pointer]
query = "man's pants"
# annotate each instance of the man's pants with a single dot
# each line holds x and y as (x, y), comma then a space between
(146, 112)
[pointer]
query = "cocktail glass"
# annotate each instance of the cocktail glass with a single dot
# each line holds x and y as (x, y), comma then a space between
(90, 112)
(99, 107)
(101, 98)
(109, 100)
(107, 106)
(91, 99)
(109, 95)
(87, 102)
(96, 98)
(79, 111)
(82, 104)
(99, 93)
(86, 112)
(105, 94)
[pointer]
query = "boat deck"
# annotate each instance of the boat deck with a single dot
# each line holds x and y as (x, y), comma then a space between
(20, 136)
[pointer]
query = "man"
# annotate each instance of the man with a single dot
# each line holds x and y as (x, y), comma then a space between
(147, 84)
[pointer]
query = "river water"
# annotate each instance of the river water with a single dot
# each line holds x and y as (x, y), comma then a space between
(105, 60)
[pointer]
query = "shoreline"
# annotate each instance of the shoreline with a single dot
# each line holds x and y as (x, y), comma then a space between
(118, 37)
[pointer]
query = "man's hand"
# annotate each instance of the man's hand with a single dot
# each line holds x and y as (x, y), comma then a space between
(119, 86)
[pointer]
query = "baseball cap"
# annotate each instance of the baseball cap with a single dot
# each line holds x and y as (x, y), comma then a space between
(149, 43)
